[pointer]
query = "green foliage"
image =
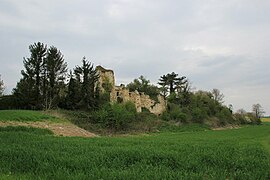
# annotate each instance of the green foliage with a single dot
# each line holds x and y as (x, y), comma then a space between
(247, 118)
(24, 115)
(43, 78)
(107, 85)
(8, 102)
(104, 98)
(175, 113)
(225, 116)
(230, 154)
(172, 83)
(86, 77)
(116, 116)
(145, 122)
(73, 93)
(55, 70)
(198, 107)
(198, 115)
(143, 85)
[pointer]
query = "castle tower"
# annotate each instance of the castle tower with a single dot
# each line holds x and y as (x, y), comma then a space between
(106, 81)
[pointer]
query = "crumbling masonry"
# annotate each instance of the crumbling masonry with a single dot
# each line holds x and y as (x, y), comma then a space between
(122, 94)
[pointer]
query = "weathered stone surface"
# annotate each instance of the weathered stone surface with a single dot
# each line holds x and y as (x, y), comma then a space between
(122, 94)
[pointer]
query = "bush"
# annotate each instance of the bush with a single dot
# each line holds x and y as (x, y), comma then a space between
(225, 116)
(240, 118)
(198, 115)
(247, 118)
(146, 122)
(115, 116)
(253, 119)
(165, 116)
(174, 113)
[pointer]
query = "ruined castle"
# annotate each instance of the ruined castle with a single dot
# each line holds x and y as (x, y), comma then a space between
(122, 94)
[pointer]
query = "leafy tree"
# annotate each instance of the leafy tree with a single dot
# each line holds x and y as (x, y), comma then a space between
(143, 85)
(87, 77)
(257, 110)
(217, 96)
(2, 87)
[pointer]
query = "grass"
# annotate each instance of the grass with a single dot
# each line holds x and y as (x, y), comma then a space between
(25, 116)
(23, 129)
(228, 154)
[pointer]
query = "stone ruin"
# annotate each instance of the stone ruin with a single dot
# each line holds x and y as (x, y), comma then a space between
(122, 94)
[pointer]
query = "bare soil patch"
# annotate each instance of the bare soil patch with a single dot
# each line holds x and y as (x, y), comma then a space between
(59, 129)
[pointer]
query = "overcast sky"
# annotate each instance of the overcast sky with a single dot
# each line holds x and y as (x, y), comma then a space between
(215, 43)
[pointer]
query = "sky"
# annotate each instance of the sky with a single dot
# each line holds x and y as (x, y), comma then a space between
(214, 43)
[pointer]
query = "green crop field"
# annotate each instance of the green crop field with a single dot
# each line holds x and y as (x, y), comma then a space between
(24, 115)
(28, 153)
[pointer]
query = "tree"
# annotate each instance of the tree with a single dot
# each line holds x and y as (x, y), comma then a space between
(73, 92)
(172, 82)
(217, 96)
(87, 77)
(24, 94)
(34, 69)
(143, 85)
(55, 70)
(230, 106)
(43, 78)
(257, 110)
(2, 87)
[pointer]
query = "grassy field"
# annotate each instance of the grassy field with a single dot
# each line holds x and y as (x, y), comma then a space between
(229, 154)
(29, 153)
(24, 116)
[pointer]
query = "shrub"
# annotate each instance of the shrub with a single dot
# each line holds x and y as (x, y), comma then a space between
(198, 115)
(253, 119)
(247, 118)
(115, 116)
(174, 113)
(165, 116)
(224, 116)
(240, 118)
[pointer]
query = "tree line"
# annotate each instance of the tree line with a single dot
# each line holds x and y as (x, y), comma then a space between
(46, 83)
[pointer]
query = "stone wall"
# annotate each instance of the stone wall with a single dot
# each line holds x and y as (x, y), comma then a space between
(122, 94)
